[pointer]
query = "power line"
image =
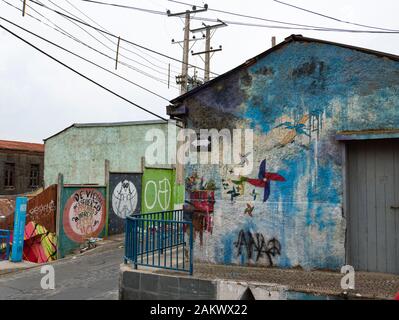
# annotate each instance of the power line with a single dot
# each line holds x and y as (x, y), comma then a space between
(248, 16)
(115, 36)
(80, 57)
(81, 42)
(67, 34)
(332, 18)
(82, 75)
(300, 26)
(102, 43)
(113, 42)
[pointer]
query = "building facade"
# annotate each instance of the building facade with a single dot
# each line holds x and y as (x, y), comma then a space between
(323, 191)
(79, 152)
(21, 167)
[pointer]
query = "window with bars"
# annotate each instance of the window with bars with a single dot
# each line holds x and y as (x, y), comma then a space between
(9, 175)
(204, 144)
(34, 176)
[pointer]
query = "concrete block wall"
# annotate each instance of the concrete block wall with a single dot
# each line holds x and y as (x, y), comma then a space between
(142, 285)
(145, 285)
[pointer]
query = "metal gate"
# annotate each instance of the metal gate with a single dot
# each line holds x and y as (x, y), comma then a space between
(124, 199)
(373, 203)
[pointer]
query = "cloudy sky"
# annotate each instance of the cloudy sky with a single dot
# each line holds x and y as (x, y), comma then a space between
(39, 97)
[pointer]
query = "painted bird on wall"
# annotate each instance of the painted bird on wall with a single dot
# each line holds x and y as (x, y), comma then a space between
(295, 129)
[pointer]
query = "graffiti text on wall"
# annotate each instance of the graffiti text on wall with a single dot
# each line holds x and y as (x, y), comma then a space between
(256, 246)
(43, 210)
(84, 214)
(158, 194)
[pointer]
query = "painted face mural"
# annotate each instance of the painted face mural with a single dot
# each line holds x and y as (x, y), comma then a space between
(124, 199)
(84, 214)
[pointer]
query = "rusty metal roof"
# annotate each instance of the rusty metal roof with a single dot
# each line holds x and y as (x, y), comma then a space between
(21, 146)
(292, 38)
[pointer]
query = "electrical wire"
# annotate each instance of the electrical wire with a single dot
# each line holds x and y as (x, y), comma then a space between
(65, 33)
(82, 58)
(114, 43)
(248, 16)
(125, 40)
(103, 44)
(310, 28)
(307, 27)
(82, 75)
(332, 18)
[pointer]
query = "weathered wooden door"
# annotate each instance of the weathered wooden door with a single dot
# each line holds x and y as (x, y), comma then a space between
(373, 217)
(124, 199)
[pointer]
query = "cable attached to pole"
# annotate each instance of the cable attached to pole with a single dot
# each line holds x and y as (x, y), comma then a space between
(83, 76)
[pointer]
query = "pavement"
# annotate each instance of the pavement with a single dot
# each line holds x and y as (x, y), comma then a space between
(93, 274)
(326, 283)
(10, 267)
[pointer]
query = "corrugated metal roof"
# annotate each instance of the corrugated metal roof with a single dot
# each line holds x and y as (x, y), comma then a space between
(292, 38)
(21, 146)
(108, 124)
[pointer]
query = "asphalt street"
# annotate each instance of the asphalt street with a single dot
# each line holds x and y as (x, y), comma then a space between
(87, 277)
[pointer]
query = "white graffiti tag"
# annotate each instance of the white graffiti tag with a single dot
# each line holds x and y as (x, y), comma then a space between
(157, 194)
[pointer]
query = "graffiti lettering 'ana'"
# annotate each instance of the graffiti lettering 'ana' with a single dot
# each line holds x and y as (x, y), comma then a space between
(84, 214)
(256, 246)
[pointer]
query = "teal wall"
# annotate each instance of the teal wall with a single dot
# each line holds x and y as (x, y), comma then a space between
(296, 99)
(79, 153)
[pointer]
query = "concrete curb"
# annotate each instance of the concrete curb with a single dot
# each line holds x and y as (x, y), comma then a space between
(109, 245)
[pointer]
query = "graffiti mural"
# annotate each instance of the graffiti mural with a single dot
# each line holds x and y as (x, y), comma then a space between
(7, 207)
(296, 100)
(40, 245)
(42, 208)
(124, 199)
(84, 214)
(201, 193)
(158, 189)
(255, 247)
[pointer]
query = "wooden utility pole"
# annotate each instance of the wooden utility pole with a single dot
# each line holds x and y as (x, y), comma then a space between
(184, 70)
(23, 8)
(273, 41)
(208, 49)
(207, 54)
(183, 79)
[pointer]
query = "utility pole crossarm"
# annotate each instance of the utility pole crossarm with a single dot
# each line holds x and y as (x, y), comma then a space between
(208, 51)
(194, 10)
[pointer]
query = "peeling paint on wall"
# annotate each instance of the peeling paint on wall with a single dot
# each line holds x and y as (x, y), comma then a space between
(295, 99)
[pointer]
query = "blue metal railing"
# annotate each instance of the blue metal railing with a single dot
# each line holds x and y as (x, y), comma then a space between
(4, 244)
(160, 240)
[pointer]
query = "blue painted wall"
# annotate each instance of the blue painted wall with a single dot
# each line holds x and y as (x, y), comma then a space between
(295, 99)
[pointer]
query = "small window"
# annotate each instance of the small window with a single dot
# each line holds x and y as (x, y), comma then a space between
(203, 145)
(9, 175)
(34, 176)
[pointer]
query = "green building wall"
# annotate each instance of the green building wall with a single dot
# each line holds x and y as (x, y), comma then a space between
(79, 152)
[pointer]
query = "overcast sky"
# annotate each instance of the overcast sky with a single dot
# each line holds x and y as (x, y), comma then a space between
(39, 97)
